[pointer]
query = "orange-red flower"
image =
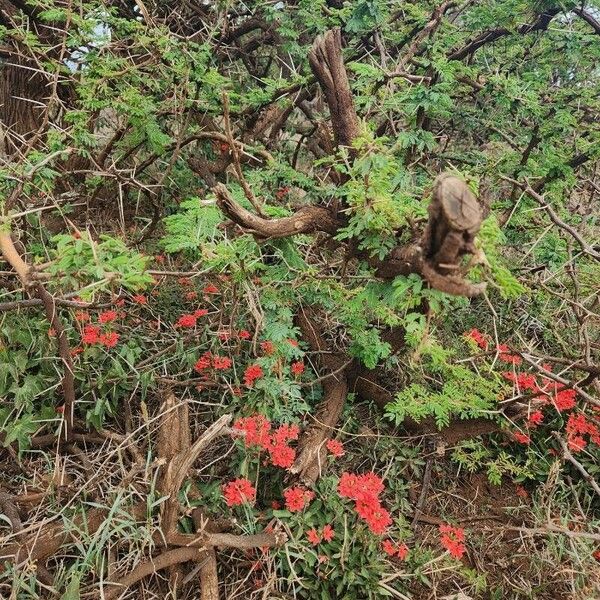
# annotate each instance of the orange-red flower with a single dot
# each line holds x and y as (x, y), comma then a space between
(107, 316)
(313, 537)
(187, 321)
(297, 368)
(335, 447)
(238, 491)
(296, 498)
(252, 373)
(328, 533)
(452, 539)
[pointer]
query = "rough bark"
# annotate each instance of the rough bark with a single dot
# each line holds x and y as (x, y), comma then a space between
(311, 449)
(327, 64)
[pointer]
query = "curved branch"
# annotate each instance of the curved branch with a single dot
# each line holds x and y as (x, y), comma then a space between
(308, 219)
(162, 561)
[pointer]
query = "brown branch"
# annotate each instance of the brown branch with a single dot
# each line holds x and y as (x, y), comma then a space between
(226, 540)
(308, 219)
(327, 64)
(12, 256)
(540, 24)
(153, 565)
(588, 18)
(311, 448)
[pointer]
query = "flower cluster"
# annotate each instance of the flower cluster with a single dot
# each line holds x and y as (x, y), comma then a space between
(326, 535)
(93, 334)
(577, 427)
(365, 490)
(208, 360)
(479, 338)
(252, 373)
(238, 491)
(391, 549)
(257, 431)
(296, 498)
(189, 319)
(335, 447)
(452, 539)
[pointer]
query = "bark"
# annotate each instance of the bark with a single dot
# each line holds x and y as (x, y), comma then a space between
(327, 64)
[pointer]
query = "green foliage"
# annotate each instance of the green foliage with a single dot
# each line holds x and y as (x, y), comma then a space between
(83, 264)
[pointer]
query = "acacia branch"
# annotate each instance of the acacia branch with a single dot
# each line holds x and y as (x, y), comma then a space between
(327, 64)
(585, 247)
(568, 456)
(308, 219)
(540, 24)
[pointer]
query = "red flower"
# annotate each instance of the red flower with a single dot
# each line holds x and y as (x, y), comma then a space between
(82, 316)
(364, 488)
(388, 547)
(239, 491)
(109, 339)
(297, 368)
(140, 299)
(187, 321)
(576, 443)
(335, 447)
(256, 429)
(275, 505)
(565, 400)
(185, 281)
(282, 456)
(507, 357)
(222, 362)
(251, 374)
(296, 498)
(328, 533)
(267, 347)
(90, 335)
(203, 362)
(284, 433)
(402, 551)
(211, 289)
(522, 438)
(191, 295)
(292, 342)
(378, 519)
(524, 381)
(201, 312)
(243, 334)
(535, 418)
(107, 316)
(452, 538)
(313, 537)
(478, 337)
(596, 555)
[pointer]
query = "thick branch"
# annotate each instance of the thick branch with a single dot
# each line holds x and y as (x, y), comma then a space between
(312, 452)
(308, 219)
(327, 64)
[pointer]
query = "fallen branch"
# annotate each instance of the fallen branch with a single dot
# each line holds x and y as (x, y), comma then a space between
(152, 565)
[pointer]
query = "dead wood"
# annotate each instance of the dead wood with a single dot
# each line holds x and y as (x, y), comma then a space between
(327, 64)
(152, 565)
